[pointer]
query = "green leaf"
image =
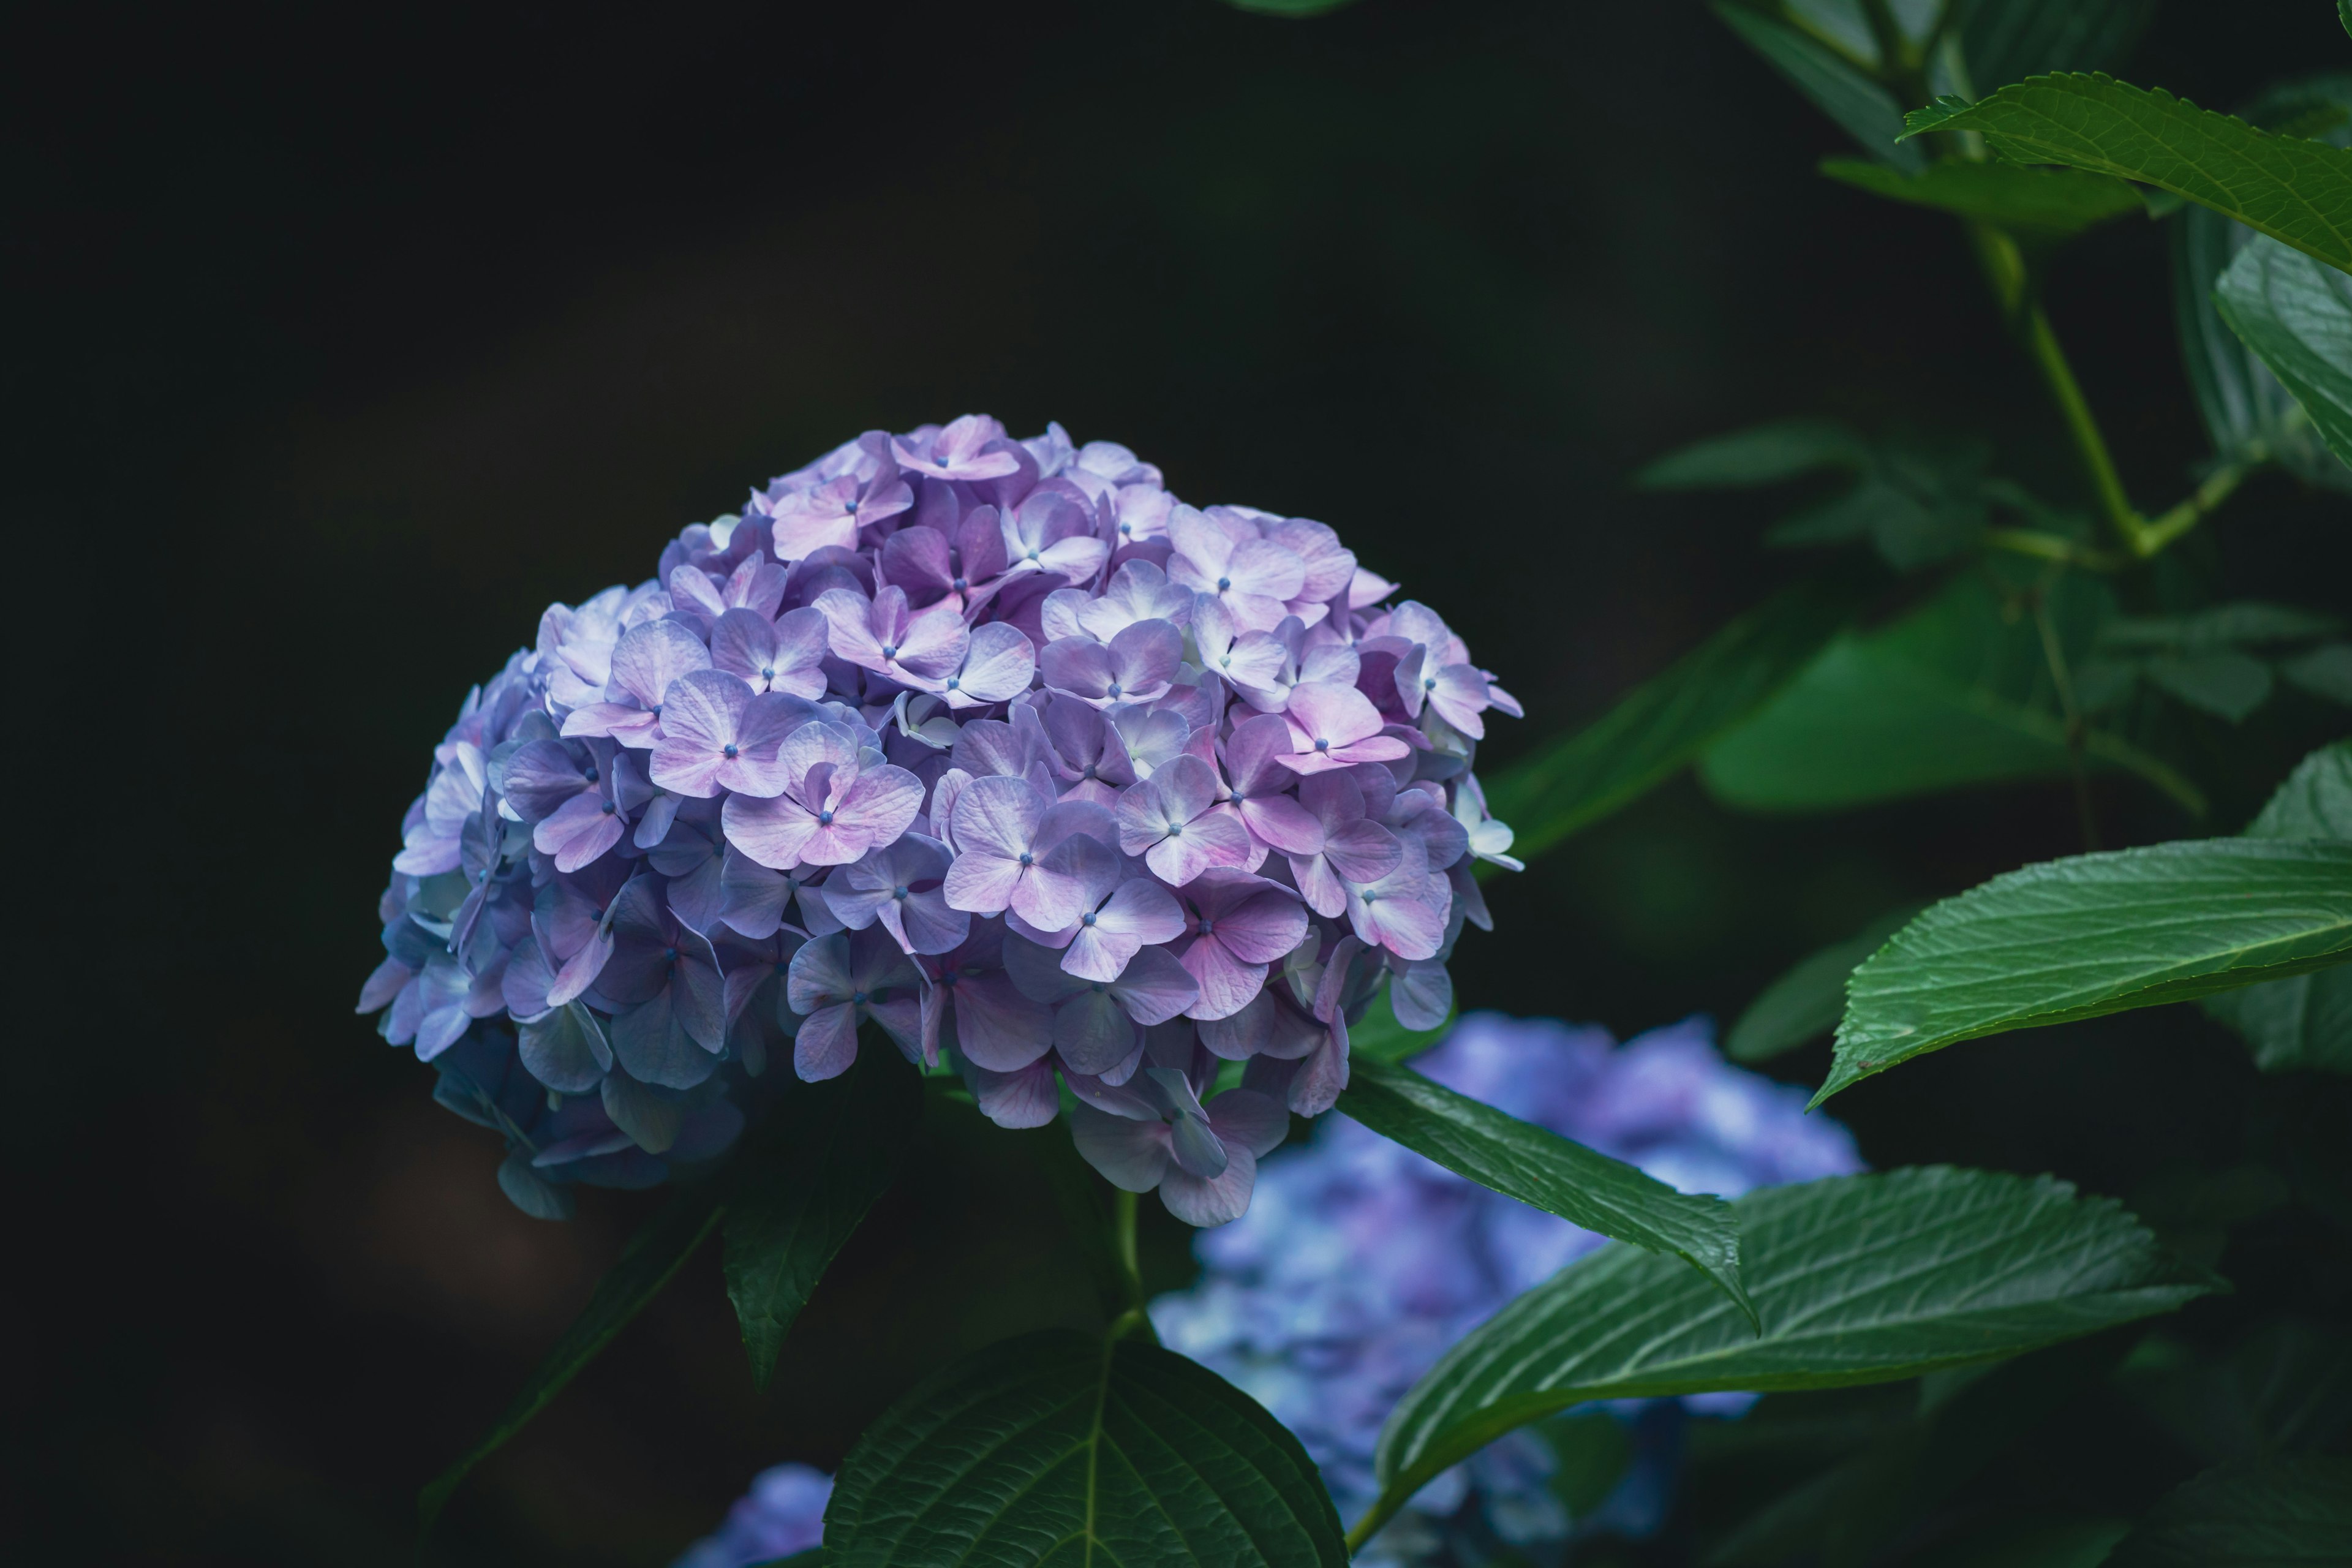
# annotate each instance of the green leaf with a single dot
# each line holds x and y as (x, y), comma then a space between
(2251, 417)
(2298, 316)
(2343, 15)
(652, 1257)
(2294, 190)
(2226, 684)
(1809, 1000)
(2009, 40)
(830, 1151)
(1918, 503)
(2315, 801)
(1378, 1037)
(1662, 724)
(1955, 693)
(1857, 1278)
(2036, 1544)
(813, 1558)
(2096, 934)
(1836, 86)
(2033, 203)
(2324, 672)
(2282, 1514)
(1545, 1171)
(1054, 1447)
(2305, 1021)
(1761, 455)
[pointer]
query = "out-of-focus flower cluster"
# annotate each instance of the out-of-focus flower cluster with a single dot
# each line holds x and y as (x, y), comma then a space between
(781, 1514)
(995, 743)
(1361, 1263)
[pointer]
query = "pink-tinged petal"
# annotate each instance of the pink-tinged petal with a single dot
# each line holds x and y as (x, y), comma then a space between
(1131, 1156)
(649, 657)
(1363, 851)
(700, 710)
(1187, 788)
(773, 832)
(1142, 820)
(1263, 928)
(998, 816)
(1094, 953)
(687, 767)
(996, 1026)
(1320, 885)
(1093, 1032)
(934, 643)
(848, 618)
(1376, 749)
(1219, 1200)
(1144, 657)
(1326, 718)
(1055, 889)
(1155, 987)
(579, 831)
(929, 925)
(1142, 909)
(1080, 667)
(882, 803)
(743, 644)
(1227, 982)
(1077, 559)
(981, 883)
(1281, 823)
(1193, 847)
(826, 1043)
(1028, 1096)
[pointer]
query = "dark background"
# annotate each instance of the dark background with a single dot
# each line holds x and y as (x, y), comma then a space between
(343, 340)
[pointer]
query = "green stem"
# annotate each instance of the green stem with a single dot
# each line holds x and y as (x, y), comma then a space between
(2004, 269)
(2162, 530)
(2044, 546)
(2062, 681)
(1135, 1319)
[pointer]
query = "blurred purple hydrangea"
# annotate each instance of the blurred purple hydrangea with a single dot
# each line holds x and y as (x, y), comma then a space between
(781, 1514)
(993, 743)
(1360, 1263)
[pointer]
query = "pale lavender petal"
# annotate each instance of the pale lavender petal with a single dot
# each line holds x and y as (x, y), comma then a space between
(1227, 982)
(997, 816)
(1093, 1032)
(1155, 987)
(826, 1043)
(1027, 1097)
(1213, 1201)
(1130, 1155)
(649, 657)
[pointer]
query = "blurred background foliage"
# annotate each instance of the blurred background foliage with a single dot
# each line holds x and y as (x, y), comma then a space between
(345, 341)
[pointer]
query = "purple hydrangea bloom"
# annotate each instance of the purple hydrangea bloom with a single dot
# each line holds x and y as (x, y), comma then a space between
(993, 742)
(1361, 1262)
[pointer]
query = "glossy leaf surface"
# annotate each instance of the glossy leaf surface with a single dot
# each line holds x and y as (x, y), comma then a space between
(1057, 1448)
(1545, 1171)
(1858, 1279)
(2096, 934)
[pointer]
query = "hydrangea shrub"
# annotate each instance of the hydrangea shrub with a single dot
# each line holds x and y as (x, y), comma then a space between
(992, 743)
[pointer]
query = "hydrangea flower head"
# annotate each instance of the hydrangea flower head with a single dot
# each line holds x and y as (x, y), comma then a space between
(992, 743)
(1360, 1263)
